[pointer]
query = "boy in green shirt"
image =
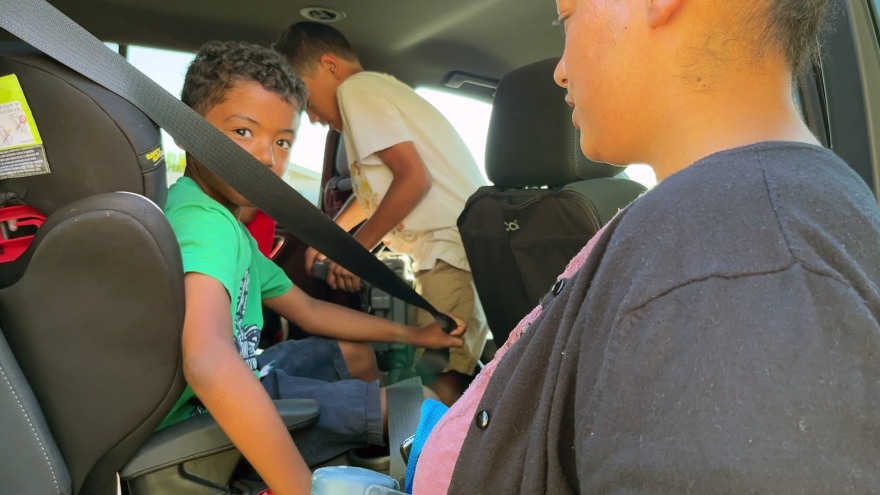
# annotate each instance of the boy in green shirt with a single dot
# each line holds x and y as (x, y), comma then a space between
(251, 94)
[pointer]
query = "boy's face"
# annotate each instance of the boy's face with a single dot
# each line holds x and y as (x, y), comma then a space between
(322, 83)
(259, 121)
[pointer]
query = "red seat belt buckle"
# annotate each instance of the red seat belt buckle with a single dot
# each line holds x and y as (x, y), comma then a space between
(11, 219)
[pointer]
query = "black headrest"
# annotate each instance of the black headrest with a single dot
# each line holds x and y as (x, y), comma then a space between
(95, 141)
(532, 141)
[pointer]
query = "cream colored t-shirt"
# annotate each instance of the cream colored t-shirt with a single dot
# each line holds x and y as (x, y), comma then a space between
(379, 112)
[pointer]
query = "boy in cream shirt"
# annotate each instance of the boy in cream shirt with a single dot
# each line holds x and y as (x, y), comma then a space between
(412, 175)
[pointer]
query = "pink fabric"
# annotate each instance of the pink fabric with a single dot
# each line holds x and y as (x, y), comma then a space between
(438, 458)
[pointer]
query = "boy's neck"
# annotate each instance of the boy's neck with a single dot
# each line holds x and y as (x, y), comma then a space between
(194, 173)
(350, 69)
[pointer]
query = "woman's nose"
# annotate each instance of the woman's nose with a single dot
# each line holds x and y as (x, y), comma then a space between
(560, 75)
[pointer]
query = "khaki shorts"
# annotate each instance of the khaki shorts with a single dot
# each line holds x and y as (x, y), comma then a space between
(451, 290)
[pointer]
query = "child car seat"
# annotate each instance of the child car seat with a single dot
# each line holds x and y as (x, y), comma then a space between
(91, 314)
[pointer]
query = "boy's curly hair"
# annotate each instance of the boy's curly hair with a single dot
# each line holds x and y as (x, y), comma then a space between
(221, 64)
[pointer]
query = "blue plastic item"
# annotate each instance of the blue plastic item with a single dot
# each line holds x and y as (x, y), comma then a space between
(346, 480)
(432, 411)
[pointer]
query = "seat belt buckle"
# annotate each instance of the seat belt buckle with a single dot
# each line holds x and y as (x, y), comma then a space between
(18, 226)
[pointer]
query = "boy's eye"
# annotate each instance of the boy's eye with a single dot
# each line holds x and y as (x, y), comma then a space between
(245, 133)
(285, 144)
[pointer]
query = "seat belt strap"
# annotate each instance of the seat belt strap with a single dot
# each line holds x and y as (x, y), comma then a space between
(44, 27)
(404, 402)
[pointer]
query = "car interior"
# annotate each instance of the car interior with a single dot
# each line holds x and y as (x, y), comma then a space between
(92, 311)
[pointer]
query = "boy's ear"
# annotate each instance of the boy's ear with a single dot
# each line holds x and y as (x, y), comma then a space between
(660, 11)
(179, 146)
(331, 64)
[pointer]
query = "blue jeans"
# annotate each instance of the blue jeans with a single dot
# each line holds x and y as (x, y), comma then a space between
(351, 411)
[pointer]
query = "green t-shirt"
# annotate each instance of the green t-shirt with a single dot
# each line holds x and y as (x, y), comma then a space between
(214, 243)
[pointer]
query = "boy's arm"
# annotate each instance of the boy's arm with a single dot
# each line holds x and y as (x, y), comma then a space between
(348, 218)
(231, 392)
(341, 323)
(351, 214)
(410, 184)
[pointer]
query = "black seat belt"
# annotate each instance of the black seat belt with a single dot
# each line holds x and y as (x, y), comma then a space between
(47, 29)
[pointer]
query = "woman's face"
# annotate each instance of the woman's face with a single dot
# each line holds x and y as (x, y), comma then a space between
(610, 74)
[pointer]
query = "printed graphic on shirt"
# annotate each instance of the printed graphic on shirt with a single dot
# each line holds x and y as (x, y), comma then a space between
(246, 338)
(368, 199)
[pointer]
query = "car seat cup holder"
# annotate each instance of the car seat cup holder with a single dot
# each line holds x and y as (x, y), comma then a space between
(18, 225)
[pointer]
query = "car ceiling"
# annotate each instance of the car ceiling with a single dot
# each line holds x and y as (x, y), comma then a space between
(418, 41)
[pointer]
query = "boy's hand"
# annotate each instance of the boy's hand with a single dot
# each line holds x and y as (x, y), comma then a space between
(338, 278)
(341, 279)
(312, 256)
(433, 337)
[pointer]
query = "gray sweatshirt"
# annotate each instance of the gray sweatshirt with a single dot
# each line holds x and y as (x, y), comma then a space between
(722, 337)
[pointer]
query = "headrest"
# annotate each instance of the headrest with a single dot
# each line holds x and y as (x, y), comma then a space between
(95, 142)
(531, 140)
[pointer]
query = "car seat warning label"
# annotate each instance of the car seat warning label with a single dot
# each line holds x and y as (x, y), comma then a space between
(21, 148)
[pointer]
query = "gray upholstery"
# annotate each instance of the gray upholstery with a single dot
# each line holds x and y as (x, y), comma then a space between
(531, 140)
(29, 460)
(342, 165)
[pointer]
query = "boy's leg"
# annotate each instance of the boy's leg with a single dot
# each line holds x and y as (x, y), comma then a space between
(452, 290)
(360, 359)
(351, 414)
(351, 410)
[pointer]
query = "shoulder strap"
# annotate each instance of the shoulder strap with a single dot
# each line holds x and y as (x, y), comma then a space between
(44, 27)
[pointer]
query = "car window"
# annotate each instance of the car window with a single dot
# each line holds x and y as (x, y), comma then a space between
(876, 12)
(470, 118)
(168, 68)
(643, 174)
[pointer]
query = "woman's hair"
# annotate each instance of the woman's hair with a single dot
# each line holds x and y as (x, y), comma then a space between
(220, 65)
(796, 28)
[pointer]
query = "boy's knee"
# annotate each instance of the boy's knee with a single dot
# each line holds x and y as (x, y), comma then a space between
(430, 394)
(360, 359)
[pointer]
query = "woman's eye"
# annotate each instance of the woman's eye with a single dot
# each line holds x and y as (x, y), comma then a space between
(560, 23)
(285, 144)
(245, 133)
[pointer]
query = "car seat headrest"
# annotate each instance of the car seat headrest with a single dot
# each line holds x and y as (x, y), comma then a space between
(95, 141)
(531, 140)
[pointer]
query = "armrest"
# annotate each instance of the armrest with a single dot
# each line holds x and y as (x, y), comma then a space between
(201, 436)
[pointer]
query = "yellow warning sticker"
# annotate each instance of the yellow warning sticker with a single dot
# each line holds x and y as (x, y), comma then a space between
(21, 147)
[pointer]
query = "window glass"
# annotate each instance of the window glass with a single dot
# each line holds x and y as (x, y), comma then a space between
(643, 174)
(469, 117)
(168, 69)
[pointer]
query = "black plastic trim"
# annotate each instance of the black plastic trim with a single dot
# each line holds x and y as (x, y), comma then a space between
(201, 437)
